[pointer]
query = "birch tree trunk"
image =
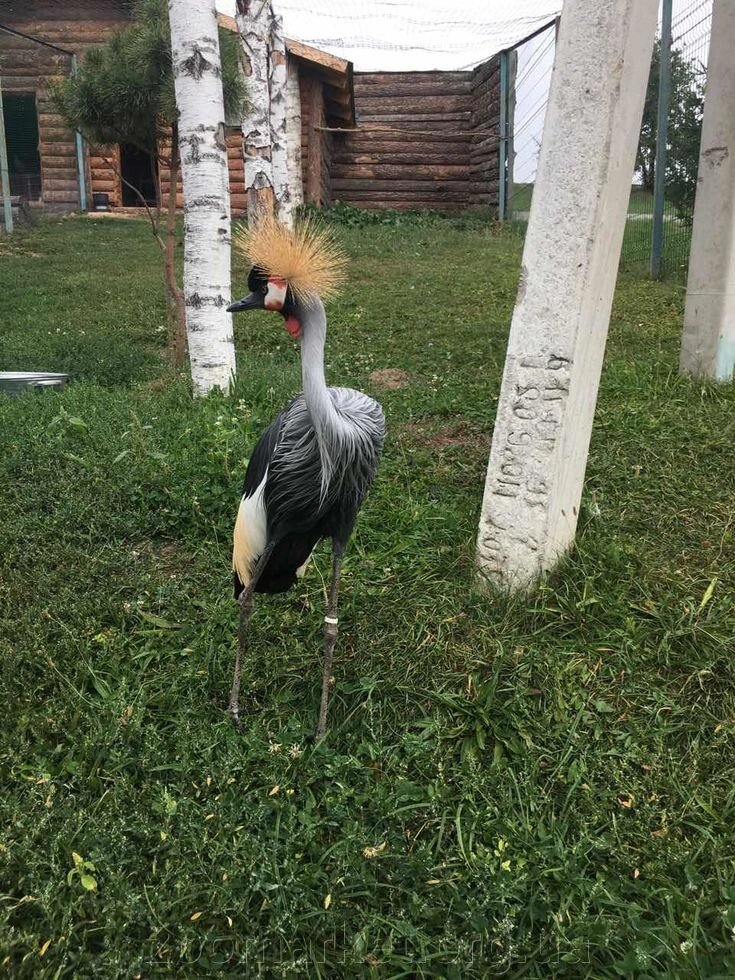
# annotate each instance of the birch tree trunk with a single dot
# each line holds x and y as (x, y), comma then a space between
(253, 24)
(293, 135)
(203, 154)
(279, 122)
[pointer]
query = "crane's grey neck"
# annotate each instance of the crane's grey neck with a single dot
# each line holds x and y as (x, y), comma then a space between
(313, 320)
(324, 416)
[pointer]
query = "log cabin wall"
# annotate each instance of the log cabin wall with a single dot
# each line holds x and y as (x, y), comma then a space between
(27, 67)
(422, 141)
(485, 142)
(316, 142)
(411, 149)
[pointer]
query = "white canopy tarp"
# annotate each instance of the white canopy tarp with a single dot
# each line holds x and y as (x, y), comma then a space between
(411, 35)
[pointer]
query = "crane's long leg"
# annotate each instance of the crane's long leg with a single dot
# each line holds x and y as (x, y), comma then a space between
(330, 636)
(246, 607)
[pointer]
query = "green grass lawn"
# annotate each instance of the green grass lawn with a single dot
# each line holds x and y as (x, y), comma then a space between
(641, 201)
(520, 198)
(539, 786)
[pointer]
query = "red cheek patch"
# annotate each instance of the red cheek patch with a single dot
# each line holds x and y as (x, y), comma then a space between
(293, 326)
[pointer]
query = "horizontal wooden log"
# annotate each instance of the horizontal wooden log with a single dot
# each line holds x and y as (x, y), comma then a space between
(382, 77)
(420, 155)
(481, 140)
(428, 120)
(407, 90)
(489, 152)
(486, 160)
(59, 165)
(486, 72)
(102, 186)
(60, 197)
(413, 171)
(52, 120)
(22, 79)
(420, 105)
(421, 187)
(102, 162)
(365, 136)
(55, 134)
(54, 183)
(60, 148)
(41, 59)
(483, 177)
(56, 28)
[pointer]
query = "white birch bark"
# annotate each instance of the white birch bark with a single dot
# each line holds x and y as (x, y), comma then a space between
(293, 135)
(203, 151)
(253, 24)
(279, 122)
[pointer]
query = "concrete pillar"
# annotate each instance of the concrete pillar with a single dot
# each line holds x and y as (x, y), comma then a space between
(708, 341)
(570, 261)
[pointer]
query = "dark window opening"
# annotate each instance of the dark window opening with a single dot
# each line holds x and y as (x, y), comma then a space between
(21, 136)
(140, 170)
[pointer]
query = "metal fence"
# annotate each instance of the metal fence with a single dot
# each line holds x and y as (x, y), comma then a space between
(661, 207)
(534, 61)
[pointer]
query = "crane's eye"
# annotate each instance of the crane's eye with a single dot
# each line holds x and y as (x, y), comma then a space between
(264, 288)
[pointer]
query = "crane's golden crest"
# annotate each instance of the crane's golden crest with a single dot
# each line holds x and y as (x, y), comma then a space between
(308, 257)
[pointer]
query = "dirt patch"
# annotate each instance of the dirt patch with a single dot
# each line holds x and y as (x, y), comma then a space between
(389, 378)
(156, 386)
(452, 435)
(167, 558)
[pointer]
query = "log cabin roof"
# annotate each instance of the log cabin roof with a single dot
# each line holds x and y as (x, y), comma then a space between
(335, 72)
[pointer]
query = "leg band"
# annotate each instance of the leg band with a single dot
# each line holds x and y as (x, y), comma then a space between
(332, 620)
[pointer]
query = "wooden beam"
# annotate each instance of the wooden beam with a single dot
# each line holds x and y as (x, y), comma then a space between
(315, 103)
(317, 57)
(227, 23)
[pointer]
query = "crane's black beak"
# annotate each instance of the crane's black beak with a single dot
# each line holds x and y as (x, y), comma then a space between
(254, 301)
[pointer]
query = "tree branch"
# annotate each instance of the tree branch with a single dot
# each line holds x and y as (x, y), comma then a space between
(154, 220)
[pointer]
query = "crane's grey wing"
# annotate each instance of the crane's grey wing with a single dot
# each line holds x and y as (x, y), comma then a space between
(305, 479)
(293, 484)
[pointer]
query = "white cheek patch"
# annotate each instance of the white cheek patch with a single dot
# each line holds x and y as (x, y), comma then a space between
(275, 298)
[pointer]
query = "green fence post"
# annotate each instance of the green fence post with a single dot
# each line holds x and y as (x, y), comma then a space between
(503, 143)
(662, 129)
(4, 175)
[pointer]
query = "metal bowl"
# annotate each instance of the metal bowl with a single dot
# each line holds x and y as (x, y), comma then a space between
(16, 382)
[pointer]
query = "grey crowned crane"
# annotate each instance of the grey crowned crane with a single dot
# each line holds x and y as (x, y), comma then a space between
(312, 467)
